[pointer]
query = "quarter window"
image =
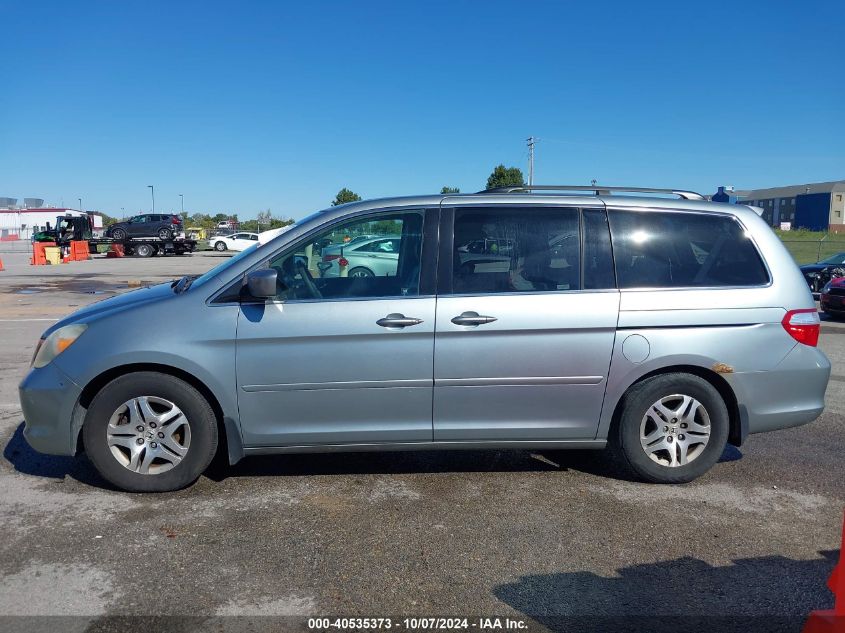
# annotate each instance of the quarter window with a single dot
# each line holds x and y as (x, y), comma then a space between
(673, 250)
(515, 250)
(336, 264)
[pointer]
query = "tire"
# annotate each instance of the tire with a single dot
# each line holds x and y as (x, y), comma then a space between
(220, 246)
(671, 439)
(195, 433)
(144, 250)
(118, 235)
(165, 234)
(360, 271)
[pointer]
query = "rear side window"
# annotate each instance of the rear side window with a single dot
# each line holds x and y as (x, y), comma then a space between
(516, 250)
(683, 249)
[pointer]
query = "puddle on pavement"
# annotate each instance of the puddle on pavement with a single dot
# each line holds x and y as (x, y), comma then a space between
(74, 286)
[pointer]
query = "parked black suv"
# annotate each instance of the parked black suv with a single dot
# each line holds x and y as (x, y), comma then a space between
(161, 225)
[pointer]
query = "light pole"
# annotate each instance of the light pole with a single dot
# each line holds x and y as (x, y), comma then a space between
(80, 203)
(153, 194)
(182, 200)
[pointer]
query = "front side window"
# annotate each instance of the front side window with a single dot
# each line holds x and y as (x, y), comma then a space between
(336, 265)
(515, 250)
(683, 249)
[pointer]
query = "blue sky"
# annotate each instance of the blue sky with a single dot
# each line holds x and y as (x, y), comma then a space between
(241, 106)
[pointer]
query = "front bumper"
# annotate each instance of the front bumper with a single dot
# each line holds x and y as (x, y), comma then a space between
(48, 401)
(789, 395)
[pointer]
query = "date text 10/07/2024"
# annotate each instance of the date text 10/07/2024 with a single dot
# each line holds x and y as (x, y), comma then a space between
(417, 624)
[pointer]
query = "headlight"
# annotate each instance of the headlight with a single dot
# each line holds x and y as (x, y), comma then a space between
(56, 343)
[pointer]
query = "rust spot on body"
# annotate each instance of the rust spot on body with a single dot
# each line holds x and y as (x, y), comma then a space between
(722, 368)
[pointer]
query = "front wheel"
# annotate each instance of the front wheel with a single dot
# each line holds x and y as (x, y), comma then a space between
(673, 428)
(220, 246)
(360, 271)
(118, 235)
(150, 432)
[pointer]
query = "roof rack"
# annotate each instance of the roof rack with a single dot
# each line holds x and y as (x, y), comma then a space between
(598, 190)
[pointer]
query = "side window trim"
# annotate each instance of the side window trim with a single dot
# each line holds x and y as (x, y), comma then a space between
(614, 286)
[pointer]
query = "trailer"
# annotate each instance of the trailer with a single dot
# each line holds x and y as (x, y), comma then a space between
(146, 246)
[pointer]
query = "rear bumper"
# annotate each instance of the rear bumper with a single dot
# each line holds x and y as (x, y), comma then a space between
(48, 401)
(789, 395)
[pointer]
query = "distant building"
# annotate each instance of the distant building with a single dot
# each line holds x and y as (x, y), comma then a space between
(20, 223)
(725, 194)
(817, 206)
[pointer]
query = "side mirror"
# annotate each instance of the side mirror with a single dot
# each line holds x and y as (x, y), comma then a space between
(261, 284)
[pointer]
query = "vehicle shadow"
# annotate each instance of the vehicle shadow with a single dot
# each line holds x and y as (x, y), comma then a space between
(26, 460)
(593, 462)
(770, 593)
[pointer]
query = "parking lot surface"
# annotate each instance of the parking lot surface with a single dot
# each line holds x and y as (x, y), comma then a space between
(513, 533)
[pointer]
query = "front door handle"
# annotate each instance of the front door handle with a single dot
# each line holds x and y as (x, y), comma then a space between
(472, 318)
(398, 320)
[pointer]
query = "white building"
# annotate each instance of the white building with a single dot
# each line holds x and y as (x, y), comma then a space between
(21, 223)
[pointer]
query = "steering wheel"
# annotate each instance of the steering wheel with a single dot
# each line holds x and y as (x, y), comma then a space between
(308, 280)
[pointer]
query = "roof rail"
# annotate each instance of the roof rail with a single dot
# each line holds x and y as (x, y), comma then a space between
(598, 190)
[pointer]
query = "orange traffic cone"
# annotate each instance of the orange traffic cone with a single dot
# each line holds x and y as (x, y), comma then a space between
(1, 264)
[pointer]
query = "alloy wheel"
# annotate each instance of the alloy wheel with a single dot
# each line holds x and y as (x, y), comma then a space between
(675, 430)
(149, 435)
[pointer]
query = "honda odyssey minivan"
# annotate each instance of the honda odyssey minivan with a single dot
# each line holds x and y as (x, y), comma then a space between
(651, 322)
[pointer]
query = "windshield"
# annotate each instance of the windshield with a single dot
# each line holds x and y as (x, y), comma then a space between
(839, 258)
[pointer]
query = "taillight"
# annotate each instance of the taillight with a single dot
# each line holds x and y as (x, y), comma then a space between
(803, 325)
(176, 220)
(330, 258)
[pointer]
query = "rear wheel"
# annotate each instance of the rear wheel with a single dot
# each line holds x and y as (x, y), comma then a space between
(220, 246)
(165, 234)
(150, 432)
(360, 271)
(144, 250)
(673, 428)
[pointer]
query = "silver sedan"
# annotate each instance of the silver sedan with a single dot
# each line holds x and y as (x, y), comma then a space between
(374, 257)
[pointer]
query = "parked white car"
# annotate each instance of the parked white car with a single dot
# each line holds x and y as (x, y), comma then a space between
(236, 242)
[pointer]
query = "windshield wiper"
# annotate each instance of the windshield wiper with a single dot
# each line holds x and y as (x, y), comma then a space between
(183, 284)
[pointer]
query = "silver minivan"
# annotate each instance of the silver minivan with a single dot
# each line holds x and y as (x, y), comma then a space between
(651, 322)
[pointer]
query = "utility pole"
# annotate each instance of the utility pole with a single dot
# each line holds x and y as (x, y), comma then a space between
(153, 194)
(531, 140)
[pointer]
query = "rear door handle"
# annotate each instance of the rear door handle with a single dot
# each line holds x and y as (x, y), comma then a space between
(472, 318)
(398, 320)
